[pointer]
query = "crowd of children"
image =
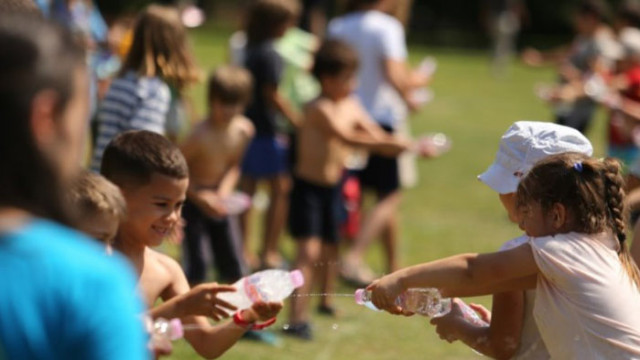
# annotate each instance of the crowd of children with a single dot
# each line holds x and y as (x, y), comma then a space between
(552, 287)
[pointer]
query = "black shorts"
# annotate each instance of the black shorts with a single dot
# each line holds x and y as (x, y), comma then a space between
(204, 234)
(314, 211)
(381, 173)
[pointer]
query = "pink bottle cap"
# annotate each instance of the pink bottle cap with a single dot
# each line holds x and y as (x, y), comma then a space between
(177, 332)
(359, 295)
(297, 278)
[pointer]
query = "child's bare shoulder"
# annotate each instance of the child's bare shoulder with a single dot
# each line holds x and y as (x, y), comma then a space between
(319, 107)
(164, 263)
(243, 125)
(161, 277)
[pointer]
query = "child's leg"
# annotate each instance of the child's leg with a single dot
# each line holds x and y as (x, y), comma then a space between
(247, 186)
(227, 256)
(328, 272)
(379, 217)
(280, 186)
(309, 250)
(194, 261)
(390, 237)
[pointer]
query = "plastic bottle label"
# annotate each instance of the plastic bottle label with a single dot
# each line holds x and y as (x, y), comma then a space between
(251, 289)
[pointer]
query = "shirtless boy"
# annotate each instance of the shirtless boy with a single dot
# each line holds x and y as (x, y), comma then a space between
(334, 123)
(153, 177)
(214, 152)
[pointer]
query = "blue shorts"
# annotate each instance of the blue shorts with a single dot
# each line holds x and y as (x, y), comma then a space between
(266, 157)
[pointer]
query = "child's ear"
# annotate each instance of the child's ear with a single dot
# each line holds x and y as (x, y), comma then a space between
(559, 215)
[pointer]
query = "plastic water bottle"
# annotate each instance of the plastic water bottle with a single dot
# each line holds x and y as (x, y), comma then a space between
(427, 302)
(161, 333)
(434, 144)
(168, 329)
(237, 203)
(422, 96)
(424, 301)
(428, 66)
(596, 88)
(267, 285)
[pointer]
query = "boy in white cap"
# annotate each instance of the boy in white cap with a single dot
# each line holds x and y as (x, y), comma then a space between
(512, 332)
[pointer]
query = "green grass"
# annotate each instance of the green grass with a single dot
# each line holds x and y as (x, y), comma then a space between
(449, 212)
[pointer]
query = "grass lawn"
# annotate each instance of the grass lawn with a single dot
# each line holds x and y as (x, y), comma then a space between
(449, 212)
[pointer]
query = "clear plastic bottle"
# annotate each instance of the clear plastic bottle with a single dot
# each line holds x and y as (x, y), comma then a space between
(237, 203)
(168, 329)
(267, 285)
(433, 144)
(161, 333)
(423, 301)
(428, 66)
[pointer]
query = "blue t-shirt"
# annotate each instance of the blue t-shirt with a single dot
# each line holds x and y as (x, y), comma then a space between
(62, 297)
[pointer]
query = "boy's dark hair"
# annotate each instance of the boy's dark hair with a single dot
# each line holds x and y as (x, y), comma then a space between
(334, 57)
(230, 85)
(265, 17)
(629, 12)
(591, 190)
(132, 157)
(35, 56)
(596, 8)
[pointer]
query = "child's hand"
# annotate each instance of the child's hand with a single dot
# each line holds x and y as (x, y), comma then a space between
(447, 326)
(157, 345)
(211, 203)
(262, 311)
(160, 347)
(384, 292)
(202, 300)
(482, 311)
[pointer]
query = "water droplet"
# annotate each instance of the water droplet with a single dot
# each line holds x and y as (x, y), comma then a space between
(335, 326)
(285, 327)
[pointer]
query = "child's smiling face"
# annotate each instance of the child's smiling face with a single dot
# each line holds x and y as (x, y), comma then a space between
(153, 209)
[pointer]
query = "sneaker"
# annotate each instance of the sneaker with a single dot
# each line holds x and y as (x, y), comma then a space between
(301, 331)
(266, 337)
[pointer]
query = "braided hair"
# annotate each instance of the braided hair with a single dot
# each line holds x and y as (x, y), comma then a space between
(591, 190)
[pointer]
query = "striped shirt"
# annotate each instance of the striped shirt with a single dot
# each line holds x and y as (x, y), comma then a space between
(133, 102)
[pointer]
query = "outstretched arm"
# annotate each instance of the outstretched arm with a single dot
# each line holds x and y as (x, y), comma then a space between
(355, 137)
(211, 341)
(468, 271)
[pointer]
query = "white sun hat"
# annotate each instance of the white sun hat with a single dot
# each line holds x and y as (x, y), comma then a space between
(523, 145)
